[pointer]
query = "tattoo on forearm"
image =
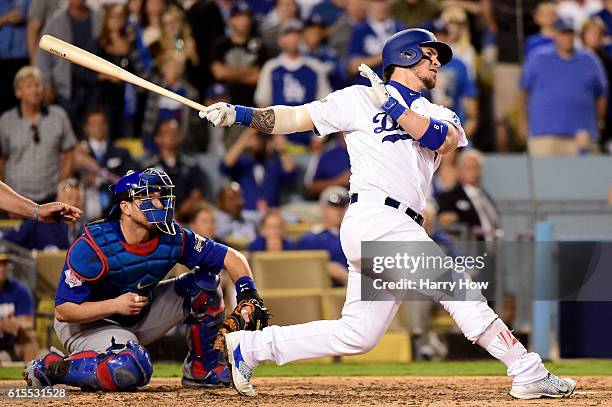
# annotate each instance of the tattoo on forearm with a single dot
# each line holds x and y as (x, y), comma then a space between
(263, 120)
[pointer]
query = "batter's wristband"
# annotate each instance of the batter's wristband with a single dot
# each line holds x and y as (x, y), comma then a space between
(244, 115)
(435, 134)
(393, 108)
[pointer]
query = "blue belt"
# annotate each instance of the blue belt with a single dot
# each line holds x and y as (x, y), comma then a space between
(396, 204)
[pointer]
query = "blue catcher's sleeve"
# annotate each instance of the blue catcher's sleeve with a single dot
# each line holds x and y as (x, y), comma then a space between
(203, 252)
(71, 288)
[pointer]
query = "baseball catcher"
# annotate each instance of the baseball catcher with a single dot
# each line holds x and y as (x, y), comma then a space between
(111, 301)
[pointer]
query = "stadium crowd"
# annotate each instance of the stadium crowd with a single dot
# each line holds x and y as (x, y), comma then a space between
(61, 123)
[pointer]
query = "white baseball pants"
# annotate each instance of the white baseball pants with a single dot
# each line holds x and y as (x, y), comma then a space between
(363, 323)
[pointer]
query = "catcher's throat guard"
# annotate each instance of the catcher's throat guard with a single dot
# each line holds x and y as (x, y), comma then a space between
(154, 191)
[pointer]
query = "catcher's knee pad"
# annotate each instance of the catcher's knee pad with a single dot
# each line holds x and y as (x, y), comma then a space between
(206, 315)
(190, 284)
(121, 367)
(125, 369)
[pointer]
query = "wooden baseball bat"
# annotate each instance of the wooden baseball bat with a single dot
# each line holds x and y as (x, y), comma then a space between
(88, 60)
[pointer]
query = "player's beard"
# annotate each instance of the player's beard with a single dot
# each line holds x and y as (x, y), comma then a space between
(428, 81)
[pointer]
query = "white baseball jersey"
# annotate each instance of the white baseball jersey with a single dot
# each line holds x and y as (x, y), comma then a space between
(384, 158)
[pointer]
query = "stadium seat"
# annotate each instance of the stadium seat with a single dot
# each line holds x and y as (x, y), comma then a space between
(394, 347)
(291, 269)
(45, 331)
(49, 266)
(133, 145)
(8, 224)
(294, 231)
(238, 243)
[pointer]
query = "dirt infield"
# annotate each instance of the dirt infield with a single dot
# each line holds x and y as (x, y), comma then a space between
(340, 391)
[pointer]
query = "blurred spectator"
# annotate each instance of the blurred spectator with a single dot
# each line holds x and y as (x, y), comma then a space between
(458, 37)
(415, 13)
(237, 59)
(369, 37)
(176, 37)
(260, 164)
(291, 79)
(593, 36)
(445, 177)
(605, 15)
(284, 11)
(219, 137)
(151, 20)
(500, 17)
(271, 234)
(231, 219)
(328, 168)
(578, 11)
(171, 68)
(70, 85)
(577, 109)
(430, 224)
(339, 35)
(110, 162)
(333, 203)
(314, 47)
(136, 97)
(36, 142)
(208, 23)
(455, 87)
(190, 181)
(115, 45)
(468, 203)
(13, 46)
(329, 11)
(38, 13)
(202, 220)
(544, 16)
(17, 335)
(34, 235)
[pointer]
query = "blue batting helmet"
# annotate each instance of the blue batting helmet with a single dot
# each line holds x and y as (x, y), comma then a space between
(147, 185)
(404, 48)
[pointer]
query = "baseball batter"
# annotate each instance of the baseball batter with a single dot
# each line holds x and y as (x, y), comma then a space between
(111, 300)
(395, 138)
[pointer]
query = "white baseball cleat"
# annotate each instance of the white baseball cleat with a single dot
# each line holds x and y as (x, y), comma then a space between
(549, 386)
(240, 373)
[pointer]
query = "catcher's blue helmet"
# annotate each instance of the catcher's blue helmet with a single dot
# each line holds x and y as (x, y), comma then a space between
(404, 48)
(154, 189)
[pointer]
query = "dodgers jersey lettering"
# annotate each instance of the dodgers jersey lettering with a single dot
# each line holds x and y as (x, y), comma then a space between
(384, 158)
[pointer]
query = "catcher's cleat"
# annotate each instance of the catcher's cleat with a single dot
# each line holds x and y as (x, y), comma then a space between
(240, 373)
(550, 386)
(34, 374)
(196, 375)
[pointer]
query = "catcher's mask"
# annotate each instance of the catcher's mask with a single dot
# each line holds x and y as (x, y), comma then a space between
(154, 189)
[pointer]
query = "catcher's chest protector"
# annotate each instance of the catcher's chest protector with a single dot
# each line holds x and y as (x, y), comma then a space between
(129, 271)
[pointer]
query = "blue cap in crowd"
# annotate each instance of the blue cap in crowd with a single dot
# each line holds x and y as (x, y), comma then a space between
(564, 25)
(240, 7)
(315, 20)
(216, 91)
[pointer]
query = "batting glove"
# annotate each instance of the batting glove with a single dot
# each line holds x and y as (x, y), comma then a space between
(378, 87)
(219, 114)
(381, 96)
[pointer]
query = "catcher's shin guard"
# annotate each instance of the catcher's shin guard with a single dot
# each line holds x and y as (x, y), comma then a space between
(120, 368)
(203, 366)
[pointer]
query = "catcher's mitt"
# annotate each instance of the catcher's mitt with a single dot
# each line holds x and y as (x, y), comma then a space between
(251, 304)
